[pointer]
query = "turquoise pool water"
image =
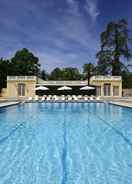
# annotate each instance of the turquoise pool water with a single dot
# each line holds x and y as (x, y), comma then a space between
(65, 143)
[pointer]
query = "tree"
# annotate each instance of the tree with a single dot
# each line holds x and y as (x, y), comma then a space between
(4, 70)
(127, 80)
(43, 75)
(71, 74)
(65, 74)
(25, 63)
(104, 63)
(56, 74)
(88, 70)
(115, 45)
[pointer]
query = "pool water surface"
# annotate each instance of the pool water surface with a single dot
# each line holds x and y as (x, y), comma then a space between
(65, 143)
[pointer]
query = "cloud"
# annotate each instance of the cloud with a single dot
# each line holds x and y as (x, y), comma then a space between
(53, 59)
(73, 7)
(59, 38)
(92, 9)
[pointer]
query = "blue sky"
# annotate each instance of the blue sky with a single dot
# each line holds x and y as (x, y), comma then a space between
(60, 32)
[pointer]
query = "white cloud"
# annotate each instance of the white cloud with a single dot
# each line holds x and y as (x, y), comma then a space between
(73, 7)
(92, 9)
(64, 38)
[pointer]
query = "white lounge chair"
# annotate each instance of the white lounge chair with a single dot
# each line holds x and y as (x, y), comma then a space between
(75, 97)
(36, 98)
(49, 98)
(43, 98)
(86, 98)
(30, 99)
(63, 98)
(91, 98)
(80, 97)
(69, 98)
(98, 98)
(55, 97)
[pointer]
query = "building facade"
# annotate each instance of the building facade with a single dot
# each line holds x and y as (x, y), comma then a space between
(21, 86)
(24, 86)
(107, 86)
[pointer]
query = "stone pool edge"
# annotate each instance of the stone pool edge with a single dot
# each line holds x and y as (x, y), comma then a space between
(7, 104)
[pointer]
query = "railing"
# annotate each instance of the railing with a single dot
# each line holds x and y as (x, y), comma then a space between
(72, 83)
(106, 77)
(64, 83)
(21, 77)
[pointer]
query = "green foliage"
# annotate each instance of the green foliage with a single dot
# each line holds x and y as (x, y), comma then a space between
(65, 74)
(88, 70)
(4, 70)
(43, 75)
(104, 62)
(115, 42)
(71, 74)
(25, 63)
(127, 80)
(56, 74)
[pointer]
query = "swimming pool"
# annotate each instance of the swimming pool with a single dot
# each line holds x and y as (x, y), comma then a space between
(65, 143)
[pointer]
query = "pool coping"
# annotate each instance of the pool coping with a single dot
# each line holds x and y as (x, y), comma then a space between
(66, 101)
(121, 104)
(8, 104)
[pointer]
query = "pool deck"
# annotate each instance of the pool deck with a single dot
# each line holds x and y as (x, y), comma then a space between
(7, 104)
(125, 102)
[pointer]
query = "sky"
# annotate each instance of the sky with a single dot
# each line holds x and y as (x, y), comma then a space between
(62, 33)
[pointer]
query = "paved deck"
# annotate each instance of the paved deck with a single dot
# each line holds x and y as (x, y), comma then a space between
(124, 104)
(6, 104)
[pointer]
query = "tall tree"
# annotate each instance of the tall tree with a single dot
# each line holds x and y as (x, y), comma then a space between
(115, 42)
(88, 70)
(25, 63)
(4, 71)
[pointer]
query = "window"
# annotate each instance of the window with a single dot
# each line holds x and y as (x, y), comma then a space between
(98, 91)
(115, 90)
(21, 89)
(107, 88)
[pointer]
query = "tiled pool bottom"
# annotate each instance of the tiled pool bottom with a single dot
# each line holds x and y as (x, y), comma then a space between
(65, 143)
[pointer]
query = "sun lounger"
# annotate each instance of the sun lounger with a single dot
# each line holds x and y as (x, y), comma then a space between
(91, 98)
(80, 97)
(43, 99)
(36, 98)
(85, 98)
(63, 98)
(98, 98)
(49, 98)
(55, 97)
(30, 99)
(75, 97)
(69, 98)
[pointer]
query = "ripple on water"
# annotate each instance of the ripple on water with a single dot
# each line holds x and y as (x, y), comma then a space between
(66, 144)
